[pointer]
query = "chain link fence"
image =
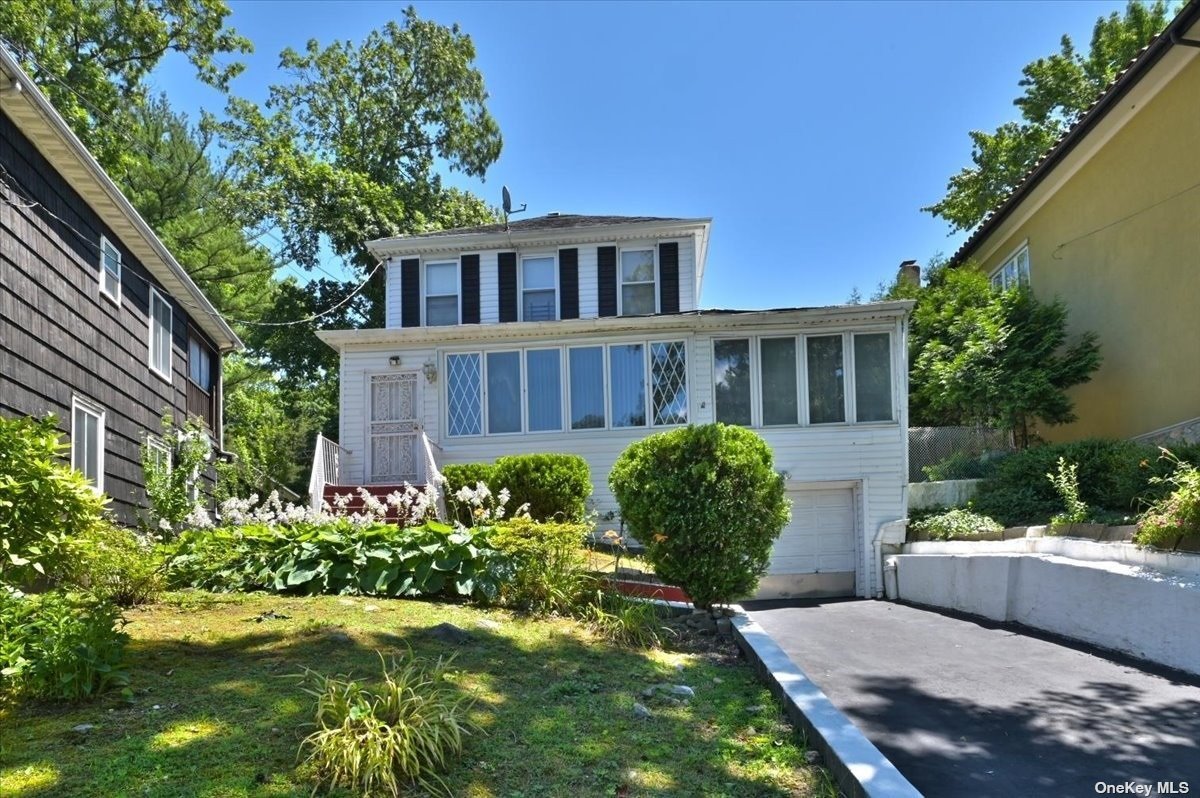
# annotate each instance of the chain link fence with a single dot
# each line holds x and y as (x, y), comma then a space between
(960, 452)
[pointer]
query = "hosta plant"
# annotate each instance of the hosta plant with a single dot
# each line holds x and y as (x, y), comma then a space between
(382, 739)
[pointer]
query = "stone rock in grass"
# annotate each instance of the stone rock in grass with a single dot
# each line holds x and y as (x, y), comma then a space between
(683, 690)
(83, 728)
(489, 624)
(339, 637)
(754, 710)
(640, 711)
(449, 633)
(812, 757)
(371, 608)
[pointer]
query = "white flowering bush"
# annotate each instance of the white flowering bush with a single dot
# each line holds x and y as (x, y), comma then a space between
(407, 506)
(172, 482)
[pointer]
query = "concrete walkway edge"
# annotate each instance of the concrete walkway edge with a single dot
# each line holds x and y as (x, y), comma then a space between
(859, 768)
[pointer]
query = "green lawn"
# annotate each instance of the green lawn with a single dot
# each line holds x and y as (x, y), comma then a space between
(212, 717)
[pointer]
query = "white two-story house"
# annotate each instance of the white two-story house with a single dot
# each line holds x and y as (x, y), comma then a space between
(582, 334)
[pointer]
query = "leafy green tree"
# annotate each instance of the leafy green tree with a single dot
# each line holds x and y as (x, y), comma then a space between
(981, 356)
(1058, 89)
(269, 429)
(92, 57)
(347, 149)
(186, 196)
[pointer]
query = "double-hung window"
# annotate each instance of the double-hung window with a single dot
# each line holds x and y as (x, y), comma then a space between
(158, 454)
(110, 270)
(160, 334)
(441, 294)
(539, 295)
(1014, 272)
(200, 364)
(638, 294)
(87, 441)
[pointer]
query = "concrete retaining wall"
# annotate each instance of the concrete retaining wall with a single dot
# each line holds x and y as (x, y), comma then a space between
(1146, 613)
(949, 493)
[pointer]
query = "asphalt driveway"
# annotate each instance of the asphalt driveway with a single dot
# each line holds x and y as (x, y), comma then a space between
(970, 708)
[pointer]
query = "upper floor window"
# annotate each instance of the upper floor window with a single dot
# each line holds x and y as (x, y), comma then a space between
(200, 363)
(110, 270)
(160, 334)
(539, 295)
(638, 296)
(87, 441)
(441, 294)
(1014, 272)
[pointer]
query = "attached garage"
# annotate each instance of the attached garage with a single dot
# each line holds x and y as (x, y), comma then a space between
(817, 553)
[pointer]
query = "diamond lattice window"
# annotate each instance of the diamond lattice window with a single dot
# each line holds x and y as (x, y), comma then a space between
(668, 376)
(463, 394)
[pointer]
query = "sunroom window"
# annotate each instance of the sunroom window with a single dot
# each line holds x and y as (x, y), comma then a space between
(873, 377)
(503, 392)
(464, 392)
(638, 296)
(668, 379)
(627, 384)
(539, 300)
(826, 380)
(731, 369)
(441, 294)
(780, 404)
(543, 377)
(586, 365)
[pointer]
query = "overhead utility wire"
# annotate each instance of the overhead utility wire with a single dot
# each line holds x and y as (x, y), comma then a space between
(1123, 219)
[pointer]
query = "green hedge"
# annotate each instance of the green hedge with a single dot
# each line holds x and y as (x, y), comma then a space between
(555, 486)
(1114, 477)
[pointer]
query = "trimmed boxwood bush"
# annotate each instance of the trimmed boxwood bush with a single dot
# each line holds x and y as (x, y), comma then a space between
(707, 504)
(1114, 476)
(555, 486)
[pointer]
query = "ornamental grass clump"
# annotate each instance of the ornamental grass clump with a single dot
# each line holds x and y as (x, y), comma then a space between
(382, 740)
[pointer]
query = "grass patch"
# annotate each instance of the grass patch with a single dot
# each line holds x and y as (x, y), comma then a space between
(211, 715)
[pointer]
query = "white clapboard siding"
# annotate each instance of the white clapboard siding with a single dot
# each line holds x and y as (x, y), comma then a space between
(870, 457)
(392, 288)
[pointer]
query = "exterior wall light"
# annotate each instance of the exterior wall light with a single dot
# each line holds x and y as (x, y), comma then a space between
(430, 371)
(394, 360)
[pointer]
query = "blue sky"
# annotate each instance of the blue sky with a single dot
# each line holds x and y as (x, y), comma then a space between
(812, 133)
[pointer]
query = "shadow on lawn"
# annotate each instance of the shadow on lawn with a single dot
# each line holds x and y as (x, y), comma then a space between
(216, 718)
(1064, 742)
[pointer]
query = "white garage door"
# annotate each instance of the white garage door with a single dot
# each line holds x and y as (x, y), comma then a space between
(815, 554)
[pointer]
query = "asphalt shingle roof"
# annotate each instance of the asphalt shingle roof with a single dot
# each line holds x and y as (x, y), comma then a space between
(552, 221)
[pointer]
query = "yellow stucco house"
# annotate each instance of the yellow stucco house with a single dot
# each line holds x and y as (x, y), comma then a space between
(1109, 221)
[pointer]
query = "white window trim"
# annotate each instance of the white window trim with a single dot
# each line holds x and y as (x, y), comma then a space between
(621, 277)
(159, 445)
(170, 334)
(687, 380)
(1012, 256)
(426, 296)
(521, 282)
(850, 404)
(95, 410)
(105, 245)
(445, 395)
(563, 379)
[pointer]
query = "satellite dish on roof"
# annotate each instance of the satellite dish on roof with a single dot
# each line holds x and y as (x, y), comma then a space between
(506, 204)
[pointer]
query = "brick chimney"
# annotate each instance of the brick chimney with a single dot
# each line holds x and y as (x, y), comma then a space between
(910, 273)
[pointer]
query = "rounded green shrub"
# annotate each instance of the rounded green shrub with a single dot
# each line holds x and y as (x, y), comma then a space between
(707, 504)
(955, 524)
(555, 486)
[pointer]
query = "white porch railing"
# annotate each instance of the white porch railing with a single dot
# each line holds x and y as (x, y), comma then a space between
(326, 468)
(433, 477)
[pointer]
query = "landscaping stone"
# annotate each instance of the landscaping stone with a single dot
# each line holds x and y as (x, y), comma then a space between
(339, 637)
(449, 633)
(639, 711)
(724, 627)
(83, 728)
(371, 608)
(683, 690)
(812, 757)
(489, 624)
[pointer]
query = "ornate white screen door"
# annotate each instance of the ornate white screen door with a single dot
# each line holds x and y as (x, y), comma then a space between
(393, 428)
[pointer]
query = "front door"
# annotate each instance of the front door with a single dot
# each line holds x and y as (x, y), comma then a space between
(393, 428)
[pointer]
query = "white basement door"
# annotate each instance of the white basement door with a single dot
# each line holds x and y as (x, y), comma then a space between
(815, 554)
